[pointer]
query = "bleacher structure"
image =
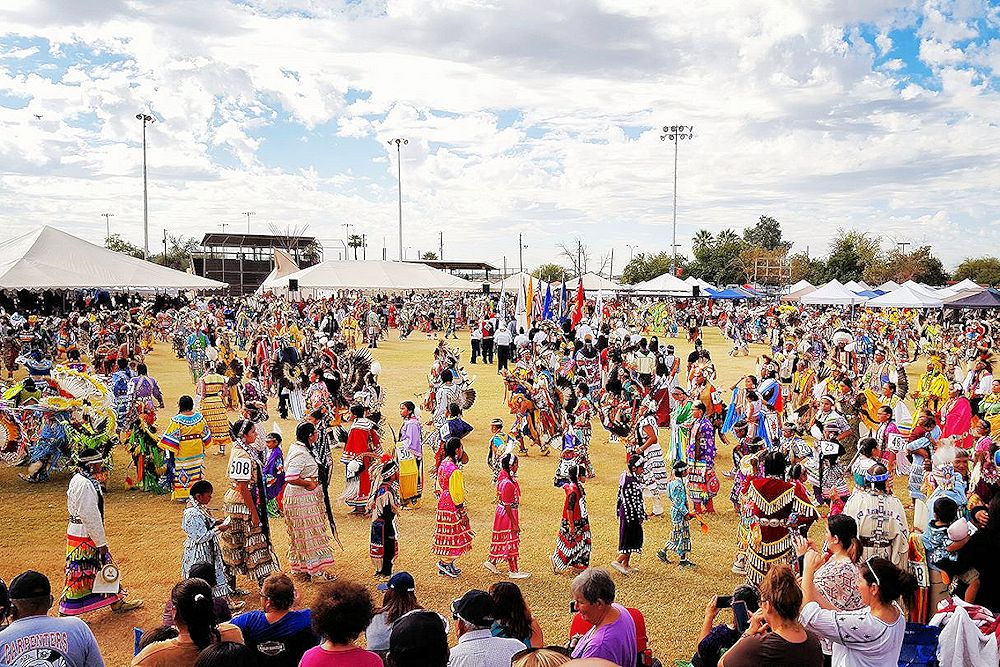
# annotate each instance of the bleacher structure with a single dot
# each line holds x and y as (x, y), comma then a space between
(245, 260)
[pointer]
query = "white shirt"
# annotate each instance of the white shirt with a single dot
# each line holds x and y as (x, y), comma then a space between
(502, 338)
(85, 515)
(859, 638)
(479, 648)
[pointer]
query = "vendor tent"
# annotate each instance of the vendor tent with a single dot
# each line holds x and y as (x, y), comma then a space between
(374, 275)
(592, 283)
(49, 258)
(832, 294)
(907, 296)
(797, 295)
(704, 284)
(801, 285)
(966, 285)
(284, 265)
(665, 283)
(857, 286)
(985, 297)
(888, 286)
(733, 294)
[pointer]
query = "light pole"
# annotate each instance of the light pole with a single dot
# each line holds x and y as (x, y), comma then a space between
(399, 179)
(675, 133)
(107, 223)
(631, 250)
(521, 245)
(347, 237)
(146, 120)
(248, 214)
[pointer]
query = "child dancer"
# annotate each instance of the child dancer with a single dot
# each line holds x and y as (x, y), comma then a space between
(680, 515)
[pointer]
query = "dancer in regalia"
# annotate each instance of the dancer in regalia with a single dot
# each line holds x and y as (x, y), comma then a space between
(87, 550)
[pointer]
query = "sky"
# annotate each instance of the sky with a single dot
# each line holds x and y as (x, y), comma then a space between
(541, 118)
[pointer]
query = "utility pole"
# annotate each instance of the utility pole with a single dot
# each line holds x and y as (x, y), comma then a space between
(223, 225)
(164, 247)
(579, 258)
(399, 176)
(611, 272)
(146, 120)
(902, 246)
(364, 246)
(675, 133)
(520, 249)
(107, 224)
(631, 250)
(441, 245)
(347, 237)
(248, 214)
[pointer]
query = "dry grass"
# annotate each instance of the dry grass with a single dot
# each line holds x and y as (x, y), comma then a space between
(146, 539)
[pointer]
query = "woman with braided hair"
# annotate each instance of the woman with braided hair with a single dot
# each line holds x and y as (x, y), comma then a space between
(383, 505)
(309, 551)
(506, 541)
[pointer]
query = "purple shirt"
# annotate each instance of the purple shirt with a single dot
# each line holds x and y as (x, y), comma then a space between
(615, 642)
(409, 433)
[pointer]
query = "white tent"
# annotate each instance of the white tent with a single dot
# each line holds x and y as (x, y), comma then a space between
(704, 284)
(513, 282)
(857, 286)
(374, 275)
(592, 283)
(832, 294)
(801, 285)
(284, 265)
(665, 283)
(966, 285)
(888, 286)
(909, 295)
(48, 258)
(929, 292)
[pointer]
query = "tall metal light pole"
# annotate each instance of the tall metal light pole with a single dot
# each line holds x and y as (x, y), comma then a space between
(675, 133)
(521, 245)
(248, 214)
(146, 120)
(631, 250)
(399, 176)
(107, 223)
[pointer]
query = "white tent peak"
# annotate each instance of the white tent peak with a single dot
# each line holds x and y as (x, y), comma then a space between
(665, 283)
(592, 282)
(334, 274)
(49, 258)
(909, 295)
(832, 294)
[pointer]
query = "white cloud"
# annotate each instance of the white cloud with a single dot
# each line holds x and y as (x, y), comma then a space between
(514, 124)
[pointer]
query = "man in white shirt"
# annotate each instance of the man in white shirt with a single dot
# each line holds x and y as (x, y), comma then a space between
(475, 613)
(502, 341)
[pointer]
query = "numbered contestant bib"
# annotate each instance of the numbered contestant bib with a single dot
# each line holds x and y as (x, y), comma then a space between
(240, 469)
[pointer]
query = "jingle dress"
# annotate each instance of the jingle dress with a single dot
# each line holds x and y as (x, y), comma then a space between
(247, 548)
(506, 541)
(309, 549)
(211, 387)
(186, 438)
(573, 544)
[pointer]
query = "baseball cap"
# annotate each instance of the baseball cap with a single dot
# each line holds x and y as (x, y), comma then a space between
(475, 607)
(401, 582)
(30, 584)
(419, 637)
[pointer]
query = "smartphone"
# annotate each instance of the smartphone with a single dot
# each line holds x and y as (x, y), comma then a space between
(572, 606)
(723, 601)
(741, 615)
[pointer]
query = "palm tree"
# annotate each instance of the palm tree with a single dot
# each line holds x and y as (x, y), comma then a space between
(702, 239)
(727, 237)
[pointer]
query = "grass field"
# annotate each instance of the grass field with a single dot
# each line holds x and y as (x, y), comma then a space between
(146, 539)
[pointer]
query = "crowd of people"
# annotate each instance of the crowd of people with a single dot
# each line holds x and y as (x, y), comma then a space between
(818, 432)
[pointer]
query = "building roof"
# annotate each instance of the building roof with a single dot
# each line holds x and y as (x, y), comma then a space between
(453, 265)
(217, 240)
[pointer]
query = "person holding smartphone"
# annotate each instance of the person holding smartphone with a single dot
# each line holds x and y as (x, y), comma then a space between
(775, 636)
(717, 639)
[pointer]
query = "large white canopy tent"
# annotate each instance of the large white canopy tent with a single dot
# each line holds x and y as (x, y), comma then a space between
(857, 286)
(49, 258)
(801, 285)
(704, 284)
(665, 283)
(372, 275)
(832, 294)
(888, 286)
(909, 295)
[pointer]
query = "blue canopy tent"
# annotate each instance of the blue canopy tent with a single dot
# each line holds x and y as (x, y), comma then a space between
(727, 294)
(871, 293)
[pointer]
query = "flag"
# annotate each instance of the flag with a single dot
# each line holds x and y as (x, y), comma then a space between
(519, 311)
(537, 309)
(599, 309)
(563, 301)
(578, 308)
(502, 305)
(529, 304)
(547, 306)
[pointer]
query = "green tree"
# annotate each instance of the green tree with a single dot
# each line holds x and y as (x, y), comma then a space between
(118, 244)
(718, 259)
(550, 272)
(851, 253)
(312, 253)
(982, 270)
(430, 254)
(702, 239)
(766, 233)
(357, 241)
(179, 250)
(645, 267)
(804, 267)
